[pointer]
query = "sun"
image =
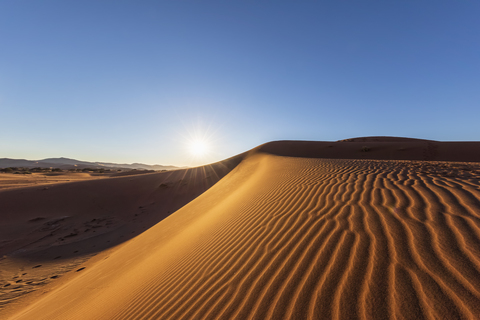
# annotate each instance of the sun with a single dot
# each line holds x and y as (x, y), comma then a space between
(199, 142)
(199, 148)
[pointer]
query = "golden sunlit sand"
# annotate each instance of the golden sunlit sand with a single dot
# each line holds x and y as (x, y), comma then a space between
(367, 228)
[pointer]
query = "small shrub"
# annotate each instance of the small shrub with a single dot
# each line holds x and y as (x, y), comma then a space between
(365, 149)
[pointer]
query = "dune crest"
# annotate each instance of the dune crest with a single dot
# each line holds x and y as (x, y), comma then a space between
(384, 139)
(283, 237)
(48, 232)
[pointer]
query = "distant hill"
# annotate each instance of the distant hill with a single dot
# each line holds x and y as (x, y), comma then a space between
(65, 163)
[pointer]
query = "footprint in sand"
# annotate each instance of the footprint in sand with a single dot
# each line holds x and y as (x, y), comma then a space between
(80, 269)
(36, 219)
(37, 266)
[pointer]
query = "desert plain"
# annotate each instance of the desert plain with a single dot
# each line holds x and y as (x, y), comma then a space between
(364, 228)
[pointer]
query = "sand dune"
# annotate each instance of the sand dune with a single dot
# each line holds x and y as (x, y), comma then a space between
(289, 234)
(46, 232)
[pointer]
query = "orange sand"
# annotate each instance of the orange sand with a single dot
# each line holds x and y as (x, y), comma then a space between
(286, 234)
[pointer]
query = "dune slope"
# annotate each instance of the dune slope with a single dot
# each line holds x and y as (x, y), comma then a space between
(46, 232)
(298, 238)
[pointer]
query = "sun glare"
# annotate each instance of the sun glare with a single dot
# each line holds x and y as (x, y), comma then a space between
(199, 143)
(199, 148)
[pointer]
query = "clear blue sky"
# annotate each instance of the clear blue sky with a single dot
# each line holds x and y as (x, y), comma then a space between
(130, 81)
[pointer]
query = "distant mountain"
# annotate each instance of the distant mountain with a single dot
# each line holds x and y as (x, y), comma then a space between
(65, 163)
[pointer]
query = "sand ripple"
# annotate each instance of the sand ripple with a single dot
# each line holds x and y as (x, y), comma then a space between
(299, 238)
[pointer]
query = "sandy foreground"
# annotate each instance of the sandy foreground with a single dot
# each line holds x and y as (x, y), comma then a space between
(285, 231)
(10, 180)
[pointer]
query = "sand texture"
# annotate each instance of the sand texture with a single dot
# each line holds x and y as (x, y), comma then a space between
(10, 180)
(286, 234)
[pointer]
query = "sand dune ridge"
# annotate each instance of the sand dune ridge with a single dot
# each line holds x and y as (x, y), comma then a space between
(284, 237)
